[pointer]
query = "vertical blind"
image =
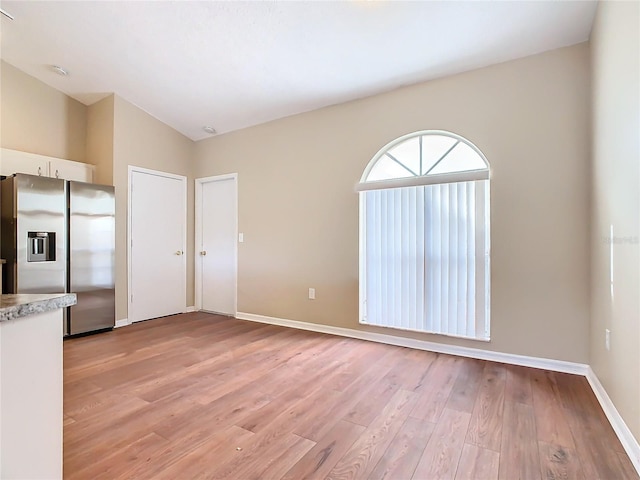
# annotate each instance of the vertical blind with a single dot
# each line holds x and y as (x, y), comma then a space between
(425, 258)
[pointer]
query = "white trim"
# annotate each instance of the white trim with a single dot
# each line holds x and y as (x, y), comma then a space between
(457, 177)
(198, 234)
(525, 361)
(123, 322)
(405, 181)
(217, 178)
(629, 443)
(197, 245)
(190, 309)
(148, 171)
(129, 187)
(183, 179)
(362, 265)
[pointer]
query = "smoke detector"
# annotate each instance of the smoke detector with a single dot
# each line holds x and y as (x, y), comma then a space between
(210, 130)
(60, 71)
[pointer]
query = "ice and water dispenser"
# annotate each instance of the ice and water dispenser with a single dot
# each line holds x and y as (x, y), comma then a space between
(41, 246)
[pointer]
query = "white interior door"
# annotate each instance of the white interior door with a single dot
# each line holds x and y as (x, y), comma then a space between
(157, 240)
(216, 243)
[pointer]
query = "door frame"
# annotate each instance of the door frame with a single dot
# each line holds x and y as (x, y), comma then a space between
(198, 234)
(131, 170)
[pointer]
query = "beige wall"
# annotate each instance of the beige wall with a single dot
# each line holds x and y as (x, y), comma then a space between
(39, 119)
(615, 43)
(100, 124)
(299, 212)
(298, 208)
(143, 141)
(111, 134)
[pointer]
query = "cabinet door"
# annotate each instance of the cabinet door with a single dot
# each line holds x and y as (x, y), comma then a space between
(13, 161)
(68, 170)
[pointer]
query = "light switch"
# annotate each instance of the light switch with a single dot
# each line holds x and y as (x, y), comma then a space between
(241, 237)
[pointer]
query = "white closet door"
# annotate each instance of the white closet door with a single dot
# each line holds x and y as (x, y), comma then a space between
(157, 238)
(217, 234)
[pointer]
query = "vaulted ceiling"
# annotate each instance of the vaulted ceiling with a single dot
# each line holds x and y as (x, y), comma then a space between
(230, 65)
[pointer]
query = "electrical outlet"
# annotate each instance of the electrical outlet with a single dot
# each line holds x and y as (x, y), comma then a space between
(607, 338)
(312, 294)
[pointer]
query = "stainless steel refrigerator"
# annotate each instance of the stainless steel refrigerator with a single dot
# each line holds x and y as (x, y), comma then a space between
(59, 236)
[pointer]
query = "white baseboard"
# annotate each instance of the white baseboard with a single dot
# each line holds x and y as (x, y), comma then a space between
(122, 323)
(534, 362)
(190, 309)
(630, 444)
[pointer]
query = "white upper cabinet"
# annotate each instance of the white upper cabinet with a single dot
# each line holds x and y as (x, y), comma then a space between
(69, 170)
(13, 161)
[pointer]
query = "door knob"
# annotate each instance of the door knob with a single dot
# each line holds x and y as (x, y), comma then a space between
(203, 253)
(179, 252)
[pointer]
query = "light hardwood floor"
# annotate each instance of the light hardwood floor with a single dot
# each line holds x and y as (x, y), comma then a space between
(200, 396)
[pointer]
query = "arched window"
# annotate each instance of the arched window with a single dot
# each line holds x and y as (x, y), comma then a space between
(424, 236)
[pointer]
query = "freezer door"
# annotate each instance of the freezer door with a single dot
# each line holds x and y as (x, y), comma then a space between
(41, 256)
(91, 256)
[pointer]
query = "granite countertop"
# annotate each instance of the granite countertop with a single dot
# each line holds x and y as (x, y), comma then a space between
(24, 304)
